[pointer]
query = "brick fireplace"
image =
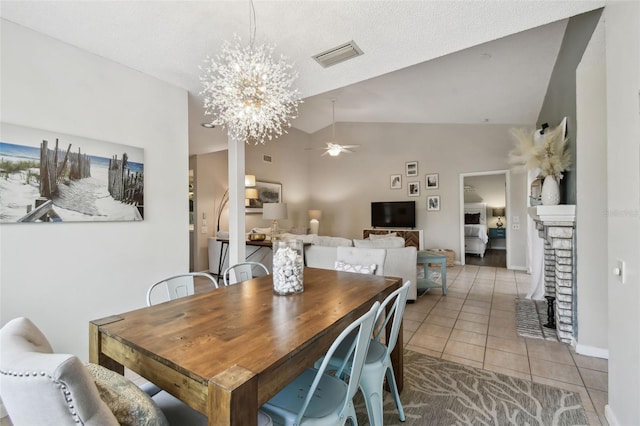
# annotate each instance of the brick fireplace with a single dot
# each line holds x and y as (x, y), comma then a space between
(556, 225)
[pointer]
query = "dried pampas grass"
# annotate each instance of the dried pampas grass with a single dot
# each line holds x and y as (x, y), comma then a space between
(551, 156)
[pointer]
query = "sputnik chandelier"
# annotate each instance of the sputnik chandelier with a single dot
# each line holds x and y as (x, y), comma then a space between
(249, 92)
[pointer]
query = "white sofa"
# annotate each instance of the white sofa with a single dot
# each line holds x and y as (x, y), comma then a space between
(399, 261)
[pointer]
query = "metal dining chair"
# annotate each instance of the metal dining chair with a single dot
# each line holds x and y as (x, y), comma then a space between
(241, 272)
(318, 398)
(377, 363)
(176, 287)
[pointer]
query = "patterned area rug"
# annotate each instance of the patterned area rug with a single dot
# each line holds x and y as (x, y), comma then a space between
(530, 317)
(438, 392)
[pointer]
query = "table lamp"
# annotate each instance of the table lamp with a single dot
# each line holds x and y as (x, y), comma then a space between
(498, 212)
(250, 194)
(275, 212)
(314, 221)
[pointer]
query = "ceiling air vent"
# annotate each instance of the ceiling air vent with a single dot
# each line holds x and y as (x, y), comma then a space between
(338, 54)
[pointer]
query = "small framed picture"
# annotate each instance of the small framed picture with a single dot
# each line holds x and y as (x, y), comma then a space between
(412, 168)
(433, 203)
(414, 189)
(432, 181)
(396, 181)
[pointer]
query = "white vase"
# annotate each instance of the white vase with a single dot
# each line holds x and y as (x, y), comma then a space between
(550, 195)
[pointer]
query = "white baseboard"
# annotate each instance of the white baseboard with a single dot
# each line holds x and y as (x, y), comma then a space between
(518, 268)
(592, 351)
(610, 416)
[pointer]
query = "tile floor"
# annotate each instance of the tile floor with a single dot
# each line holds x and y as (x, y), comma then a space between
(474, 324)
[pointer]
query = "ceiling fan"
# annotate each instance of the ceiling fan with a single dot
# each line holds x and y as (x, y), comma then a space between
(333, 148)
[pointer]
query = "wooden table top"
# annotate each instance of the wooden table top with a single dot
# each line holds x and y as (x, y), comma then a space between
(246, 325)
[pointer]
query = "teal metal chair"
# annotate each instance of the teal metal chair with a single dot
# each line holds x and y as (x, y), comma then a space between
(241, 272)
(377, 363)
(316, 398)
(175, 287)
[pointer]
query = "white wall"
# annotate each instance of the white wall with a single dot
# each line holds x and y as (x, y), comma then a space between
(622, 24)
(591, 197)
(344, 187)
(64, 275)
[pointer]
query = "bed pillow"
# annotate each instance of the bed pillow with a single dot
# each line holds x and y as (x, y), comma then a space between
(360, 269)
(472, 218)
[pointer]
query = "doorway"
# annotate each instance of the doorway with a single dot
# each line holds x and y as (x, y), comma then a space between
(488, 193)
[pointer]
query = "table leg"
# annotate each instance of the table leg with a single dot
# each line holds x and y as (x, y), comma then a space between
(95, 351)
(221, 260)
(233, 398)
(397, 356)
(443, 275)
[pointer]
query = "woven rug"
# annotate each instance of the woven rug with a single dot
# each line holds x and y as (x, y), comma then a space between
(438, 392)
(530, 317)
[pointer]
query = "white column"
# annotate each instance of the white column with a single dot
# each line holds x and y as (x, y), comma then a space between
(236, 202)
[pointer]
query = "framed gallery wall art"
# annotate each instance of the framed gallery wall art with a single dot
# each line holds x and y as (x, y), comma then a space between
(433, 203)
(413, 189)
(268, 192)
(48, 176)
(432, 181)
(411, 168)
(396, 181)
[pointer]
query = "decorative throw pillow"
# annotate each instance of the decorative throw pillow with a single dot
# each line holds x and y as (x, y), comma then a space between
(472, 218)
(360, 269)
(332, 241)
(382, 236)
(130, 405)
(391, 242)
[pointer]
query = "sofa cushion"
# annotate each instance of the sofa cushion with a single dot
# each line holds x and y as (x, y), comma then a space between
(389, 242)
(360, 269)
(127, 402)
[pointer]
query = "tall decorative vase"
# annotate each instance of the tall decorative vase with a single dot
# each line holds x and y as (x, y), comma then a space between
(550, 195)
(288, 267)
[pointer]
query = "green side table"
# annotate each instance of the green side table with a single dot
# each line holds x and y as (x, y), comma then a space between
(425, 257)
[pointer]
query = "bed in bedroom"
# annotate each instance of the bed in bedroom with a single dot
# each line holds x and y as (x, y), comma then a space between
(475, 228)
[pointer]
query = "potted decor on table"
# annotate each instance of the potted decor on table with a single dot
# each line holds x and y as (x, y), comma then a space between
(546, 151)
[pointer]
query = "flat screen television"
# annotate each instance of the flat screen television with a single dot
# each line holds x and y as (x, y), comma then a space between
(393, 214)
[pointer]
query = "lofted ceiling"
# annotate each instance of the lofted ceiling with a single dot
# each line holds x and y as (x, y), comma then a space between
(424, 61)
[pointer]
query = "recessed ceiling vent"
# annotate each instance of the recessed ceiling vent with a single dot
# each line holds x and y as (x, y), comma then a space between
(338, 54)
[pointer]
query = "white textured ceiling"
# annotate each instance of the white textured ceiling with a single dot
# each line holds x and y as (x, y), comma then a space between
(408, 73)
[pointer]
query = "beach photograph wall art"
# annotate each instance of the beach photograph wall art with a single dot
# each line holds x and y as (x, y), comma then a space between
(47, 176)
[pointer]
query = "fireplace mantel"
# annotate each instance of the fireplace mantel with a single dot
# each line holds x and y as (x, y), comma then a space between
(553, 214)
(556, 226)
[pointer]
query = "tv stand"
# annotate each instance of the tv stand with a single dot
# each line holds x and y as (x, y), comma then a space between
(412, 237)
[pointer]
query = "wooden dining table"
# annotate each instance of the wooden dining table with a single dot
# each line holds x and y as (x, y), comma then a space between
(227, 351)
